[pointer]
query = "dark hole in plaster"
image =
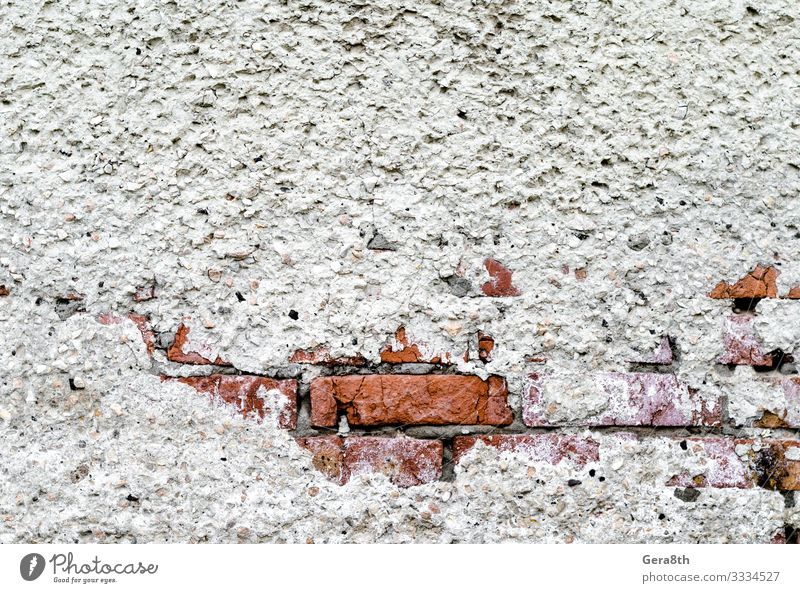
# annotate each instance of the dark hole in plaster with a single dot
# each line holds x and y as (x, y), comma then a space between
(792, 534)
(745, 304)
(779, 357)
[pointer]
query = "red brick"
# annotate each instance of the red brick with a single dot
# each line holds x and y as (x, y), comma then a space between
(406, 462)
(370, 400)
(500, 284)
(662, 355)
(178, 351)
(634, 399)
(794, 293)
(483, 344)
(758, 284)
(405, 351)
(788, 415)
(742, 345)
(208, 385)
(141, 322)
(242, 392)
(485, 347)
(549, 447)
(327, 456)
(321, 355)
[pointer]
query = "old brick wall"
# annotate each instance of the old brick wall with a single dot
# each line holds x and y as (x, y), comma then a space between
(452, 272)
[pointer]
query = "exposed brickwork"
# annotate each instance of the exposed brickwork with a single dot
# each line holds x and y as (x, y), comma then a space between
(633, 399)
(500, 284)
(141, 323)
(405, 351)
(180, 352)
(321, 355)
(485, 347)
(327, 456)
(551, 447)
(742, 345)
(758, 284)
(655, 399)
(244, 392)
(406, 462)
(723, 468)
(743, 463)
(787, 413)
(372, 400)
(662, 355)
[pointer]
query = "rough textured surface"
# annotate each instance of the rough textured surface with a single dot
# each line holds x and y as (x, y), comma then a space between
(247, 393)
(742, 345)
(406, 462)
(618, 399)
(550, 447)
(369, 400)
(302, 175)
(757, 284)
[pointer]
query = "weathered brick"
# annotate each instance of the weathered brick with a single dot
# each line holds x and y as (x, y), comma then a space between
(327, 456)
(633, 399)
(550, 447)
(482, 344)
(485, 347)
(786, 415)
(773, 464)
(662, 355)
(321, 355)
(199, 354)
(369, 400)
(242, 392)
(403, 350)
(499, 284)
(742, 345)
(794, 293)
(141, 322)
(406, 462)
(723, 469)
(758, 284)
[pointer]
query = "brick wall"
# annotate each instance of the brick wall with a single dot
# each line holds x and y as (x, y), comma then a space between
(411, 415)
(445, 271)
